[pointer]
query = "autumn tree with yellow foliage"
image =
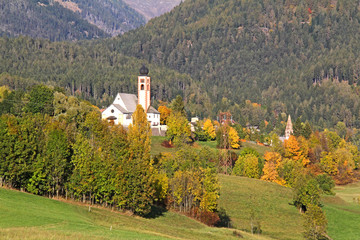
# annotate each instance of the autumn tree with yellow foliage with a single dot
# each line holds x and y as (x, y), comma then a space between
(137, 169)
(209, 129)
(234, 138)
(164, 114)
(178, 129)
(294, 151)
(227, 137)
(272, 162)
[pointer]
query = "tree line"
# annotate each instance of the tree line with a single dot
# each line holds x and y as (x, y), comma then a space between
(57, 146)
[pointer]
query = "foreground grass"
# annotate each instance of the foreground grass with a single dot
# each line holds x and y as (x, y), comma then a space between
(343, 212)
(268, 203)
(26, 216)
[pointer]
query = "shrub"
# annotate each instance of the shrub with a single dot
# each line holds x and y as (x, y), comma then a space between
(247, 166)
(326, 183)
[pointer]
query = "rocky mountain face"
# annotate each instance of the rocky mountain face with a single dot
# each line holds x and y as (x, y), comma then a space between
(59, 20)
(152, 8)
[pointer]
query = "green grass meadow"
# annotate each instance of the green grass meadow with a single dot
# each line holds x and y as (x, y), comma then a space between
(343, 212)
(269, 203)
(26, 216)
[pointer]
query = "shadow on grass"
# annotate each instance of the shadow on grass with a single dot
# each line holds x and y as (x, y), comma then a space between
(225, 220)
(155, 212)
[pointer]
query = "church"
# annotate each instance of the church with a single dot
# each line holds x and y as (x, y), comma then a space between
(124, 105)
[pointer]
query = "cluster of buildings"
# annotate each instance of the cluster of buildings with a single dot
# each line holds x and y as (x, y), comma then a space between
(124, 105)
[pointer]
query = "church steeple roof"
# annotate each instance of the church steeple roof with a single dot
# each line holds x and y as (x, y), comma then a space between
(144, 70)
(289, 128)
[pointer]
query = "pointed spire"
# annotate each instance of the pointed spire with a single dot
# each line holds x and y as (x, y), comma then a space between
(289, 128)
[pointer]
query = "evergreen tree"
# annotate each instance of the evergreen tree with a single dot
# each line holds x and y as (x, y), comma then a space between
(297, 128)
(307, 130)
(177, 106)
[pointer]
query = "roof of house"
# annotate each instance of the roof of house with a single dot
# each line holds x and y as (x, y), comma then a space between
(120, 108)
(151, 109)
(130, 101)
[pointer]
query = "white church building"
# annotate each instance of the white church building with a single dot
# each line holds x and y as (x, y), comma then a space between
(124, 105)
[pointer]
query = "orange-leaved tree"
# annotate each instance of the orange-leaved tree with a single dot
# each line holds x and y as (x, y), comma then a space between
(294, 151)
(272, 162)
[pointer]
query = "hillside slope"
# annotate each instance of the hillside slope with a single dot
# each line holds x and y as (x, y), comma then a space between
(152, 8)
(95, 73)
(270, 205)
(67, 20)
(25, 216)
(286, 55)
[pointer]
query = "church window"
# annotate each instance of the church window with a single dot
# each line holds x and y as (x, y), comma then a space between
(142, 80)
(112, 110)
(148, 87)
(142, 87)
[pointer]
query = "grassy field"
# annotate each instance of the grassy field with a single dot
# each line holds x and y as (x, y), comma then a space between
(156, 147)
(343, 212)
(25, 216)
(269, 203)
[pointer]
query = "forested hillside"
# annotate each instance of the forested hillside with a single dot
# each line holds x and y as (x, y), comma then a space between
(295, 57)
(94, 73)
(59, 20)
(299, 59)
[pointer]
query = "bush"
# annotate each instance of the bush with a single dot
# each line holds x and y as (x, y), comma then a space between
(247, 166)
(326, 183)
(315, 223)
(206, 217)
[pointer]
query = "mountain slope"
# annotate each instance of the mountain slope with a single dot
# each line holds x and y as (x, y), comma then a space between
(285, 55)
(67, 20)
(113, 16)
(152, 8)
(94, 72)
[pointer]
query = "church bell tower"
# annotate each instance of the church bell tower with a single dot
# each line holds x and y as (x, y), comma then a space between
(144, 88)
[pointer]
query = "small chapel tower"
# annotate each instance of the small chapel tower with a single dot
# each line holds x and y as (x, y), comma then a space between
(144, 88)
(289, 128)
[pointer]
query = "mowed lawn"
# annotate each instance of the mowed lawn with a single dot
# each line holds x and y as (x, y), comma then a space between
(26, 216)
(343, 212)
